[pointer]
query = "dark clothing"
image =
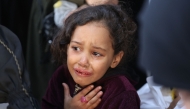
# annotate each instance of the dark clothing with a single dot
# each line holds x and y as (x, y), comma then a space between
(165, 42)
(14, 14)
(132, 8)
(14, 77)
(119, 93)
(40, 70)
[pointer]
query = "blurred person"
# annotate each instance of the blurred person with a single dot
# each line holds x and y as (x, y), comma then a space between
(165, 43)
(14, 77)
(14, 15)
(37, 54)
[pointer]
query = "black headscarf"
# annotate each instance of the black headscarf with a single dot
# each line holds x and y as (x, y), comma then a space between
(165, 42)
(14, 77)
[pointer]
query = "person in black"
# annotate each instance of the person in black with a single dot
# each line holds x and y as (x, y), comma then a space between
(165, 44)
(14, 77)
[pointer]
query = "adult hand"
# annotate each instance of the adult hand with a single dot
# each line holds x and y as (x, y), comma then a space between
(92, 97)
(175, 101)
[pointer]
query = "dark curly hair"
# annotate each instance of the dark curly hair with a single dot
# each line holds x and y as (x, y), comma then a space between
(118, 23)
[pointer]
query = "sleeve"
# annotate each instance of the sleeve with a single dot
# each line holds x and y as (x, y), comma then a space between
(54, 96)
(125, 100)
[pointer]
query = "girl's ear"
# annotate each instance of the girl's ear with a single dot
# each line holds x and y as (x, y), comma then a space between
(117, 58)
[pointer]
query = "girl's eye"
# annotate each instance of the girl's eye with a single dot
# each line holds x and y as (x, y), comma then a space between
(97, 54)
(76, 48)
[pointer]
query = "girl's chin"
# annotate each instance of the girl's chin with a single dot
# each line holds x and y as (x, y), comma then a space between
(81, 84)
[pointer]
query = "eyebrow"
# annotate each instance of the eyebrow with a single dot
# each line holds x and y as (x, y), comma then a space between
(93, 46)
(99, 48)
(77, 42)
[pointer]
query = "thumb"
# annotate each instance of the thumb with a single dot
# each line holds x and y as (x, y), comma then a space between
(66, 91)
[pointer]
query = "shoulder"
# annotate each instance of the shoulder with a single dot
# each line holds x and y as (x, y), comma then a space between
(119, 82)
(119, 93)
(53, 97)
(126, 100)
(58, 77)
(120, 86)
(61, 71)
(10, 39)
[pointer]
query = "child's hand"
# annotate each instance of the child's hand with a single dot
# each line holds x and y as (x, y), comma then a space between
(92, 98)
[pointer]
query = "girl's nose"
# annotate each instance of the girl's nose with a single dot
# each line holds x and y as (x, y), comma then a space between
(84, 62)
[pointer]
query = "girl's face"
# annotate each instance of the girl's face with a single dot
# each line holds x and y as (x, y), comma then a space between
(90, 53)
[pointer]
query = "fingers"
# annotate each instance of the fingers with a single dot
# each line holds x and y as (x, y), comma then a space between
(95, 100)
(84, 91)
(66, 90)
(91, 96)
(174, 103)
(94, 94)
(94, 105)
(87, 98)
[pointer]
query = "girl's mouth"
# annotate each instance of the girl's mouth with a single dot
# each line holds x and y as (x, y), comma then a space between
(83, 73)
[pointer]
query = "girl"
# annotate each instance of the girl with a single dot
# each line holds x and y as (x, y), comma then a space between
(94, 47)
